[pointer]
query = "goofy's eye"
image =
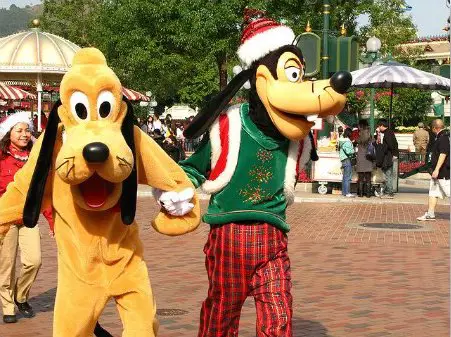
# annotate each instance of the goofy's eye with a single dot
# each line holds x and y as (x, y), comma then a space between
(105, 103)
(293, 74)
(79, 105)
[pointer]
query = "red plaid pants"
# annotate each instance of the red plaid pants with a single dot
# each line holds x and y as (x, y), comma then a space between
(247, 260)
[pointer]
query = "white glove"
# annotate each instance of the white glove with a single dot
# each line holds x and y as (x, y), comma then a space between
(175, 203)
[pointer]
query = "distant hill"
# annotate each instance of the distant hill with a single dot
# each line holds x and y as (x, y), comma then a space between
(16, 19)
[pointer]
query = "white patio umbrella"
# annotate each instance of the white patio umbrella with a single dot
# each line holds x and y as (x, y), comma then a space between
(397, 75)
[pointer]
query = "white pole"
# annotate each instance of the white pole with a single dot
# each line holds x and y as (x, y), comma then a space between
(39, 90)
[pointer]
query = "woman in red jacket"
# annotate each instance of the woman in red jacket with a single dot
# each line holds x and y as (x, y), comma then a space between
(15, 146)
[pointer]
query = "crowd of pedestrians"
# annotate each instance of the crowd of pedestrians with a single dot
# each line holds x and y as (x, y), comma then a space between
(357, 147)
(169, 135)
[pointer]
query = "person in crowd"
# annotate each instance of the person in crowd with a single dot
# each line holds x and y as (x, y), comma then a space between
(174, 149)
(345, 154)
(421, 140)
(365, 161)
(355, 134)
(157, 125)
(15, 146)
(387, 153)
(179, 134)
(430, 145)
(165, 130)
(440, 184)
(150, 126)
(168, 121)
(158, 137)
(340, 134)
(188, 143)
(143, 126)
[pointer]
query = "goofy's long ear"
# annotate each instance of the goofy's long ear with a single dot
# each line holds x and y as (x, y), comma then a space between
(130, 184)
(204, 119)
(32, 207)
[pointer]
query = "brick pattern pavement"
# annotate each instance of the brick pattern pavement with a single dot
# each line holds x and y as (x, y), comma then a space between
(346, 281)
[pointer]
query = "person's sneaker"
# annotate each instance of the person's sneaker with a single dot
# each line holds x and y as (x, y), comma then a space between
(426, 217)
(9, 318)
(350, 195)
(387, 196)
(25, 309)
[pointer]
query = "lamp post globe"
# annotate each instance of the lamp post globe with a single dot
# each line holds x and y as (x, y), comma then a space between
(373, 45)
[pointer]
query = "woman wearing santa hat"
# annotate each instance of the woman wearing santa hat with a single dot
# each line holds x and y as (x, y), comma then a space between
(15, 146)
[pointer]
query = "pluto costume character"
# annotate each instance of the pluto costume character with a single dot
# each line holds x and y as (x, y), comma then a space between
(248, 163)
(88, 168)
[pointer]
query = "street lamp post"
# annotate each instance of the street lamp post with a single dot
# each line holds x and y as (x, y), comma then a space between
(152, 103)
(373, 45)
(325, 57)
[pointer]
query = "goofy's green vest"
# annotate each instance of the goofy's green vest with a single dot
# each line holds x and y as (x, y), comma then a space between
(250, 176)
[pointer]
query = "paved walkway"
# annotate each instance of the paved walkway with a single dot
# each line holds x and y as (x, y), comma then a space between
(347, 280)
(409, 192)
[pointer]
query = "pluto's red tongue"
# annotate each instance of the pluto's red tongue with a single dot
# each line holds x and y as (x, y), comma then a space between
(94, 191)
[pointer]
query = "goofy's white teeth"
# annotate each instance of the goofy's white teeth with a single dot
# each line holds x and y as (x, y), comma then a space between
(312, 118)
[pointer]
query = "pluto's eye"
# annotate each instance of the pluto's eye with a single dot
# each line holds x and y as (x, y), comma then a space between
(105, 103)
(293, 74)
(79, 105)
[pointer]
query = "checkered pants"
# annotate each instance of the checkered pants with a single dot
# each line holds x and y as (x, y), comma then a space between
(247, 260)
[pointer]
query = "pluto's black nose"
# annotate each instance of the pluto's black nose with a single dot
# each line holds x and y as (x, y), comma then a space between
(96, 152)
(341, 81)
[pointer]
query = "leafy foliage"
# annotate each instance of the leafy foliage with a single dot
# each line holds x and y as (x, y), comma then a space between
(15, 19)
(392, 26)
(410, 106)
(357, 100)
(73, 20)
(184, 50)
(181, 50)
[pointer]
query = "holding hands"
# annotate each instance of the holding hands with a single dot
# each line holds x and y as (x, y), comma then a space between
(175, 203)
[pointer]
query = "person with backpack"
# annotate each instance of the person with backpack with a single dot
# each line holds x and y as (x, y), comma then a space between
(366, 156)
(346, 154)
(440, 184)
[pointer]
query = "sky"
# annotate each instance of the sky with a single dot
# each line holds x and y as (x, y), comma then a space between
(428, 15)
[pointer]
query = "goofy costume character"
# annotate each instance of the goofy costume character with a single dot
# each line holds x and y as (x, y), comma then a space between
(247, 162)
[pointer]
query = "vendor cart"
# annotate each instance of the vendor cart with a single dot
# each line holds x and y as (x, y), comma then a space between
(327, 172)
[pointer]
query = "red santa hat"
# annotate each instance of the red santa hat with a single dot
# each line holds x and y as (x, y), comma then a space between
(261, 36)
(7, 123)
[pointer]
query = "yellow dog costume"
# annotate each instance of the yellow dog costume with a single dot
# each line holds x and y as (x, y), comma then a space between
(85, 166)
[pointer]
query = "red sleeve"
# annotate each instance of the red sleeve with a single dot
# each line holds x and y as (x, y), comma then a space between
(49, 216)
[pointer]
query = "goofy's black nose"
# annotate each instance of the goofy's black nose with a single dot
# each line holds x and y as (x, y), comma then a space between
(96, 152)
(341, 81)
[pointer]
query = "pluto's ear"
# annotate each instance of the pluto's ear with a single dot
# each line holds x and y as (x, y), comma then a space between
(205, 118)
(130, 184)
(32, 207)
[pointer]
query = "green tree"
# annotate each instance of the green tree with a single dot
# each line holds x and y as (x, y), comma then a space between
(181, 50)
(389, 22)
(72, 19)
(357, 100)
(410, 106)
(16, 19)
